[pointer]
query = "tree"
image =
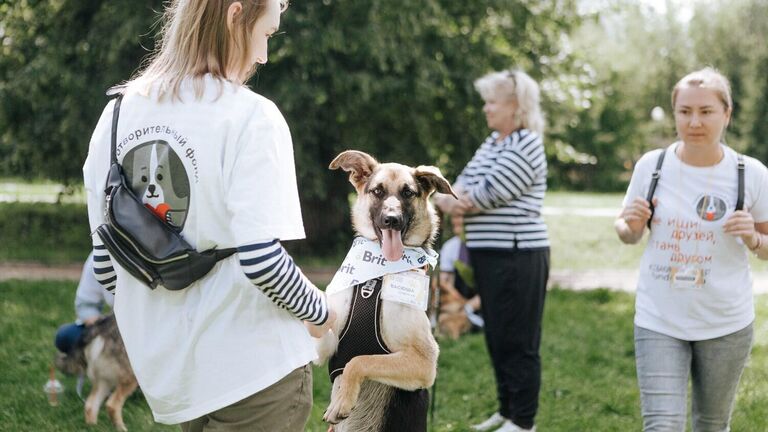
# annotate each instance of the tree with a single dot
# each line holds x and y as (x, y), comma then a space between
(394, 78)
(58, 58)
(390, 77)
(731, 36)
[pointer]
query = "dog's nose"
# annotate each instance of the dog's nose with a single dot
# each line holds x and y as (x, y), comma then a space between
(151, 189)
(392, 222)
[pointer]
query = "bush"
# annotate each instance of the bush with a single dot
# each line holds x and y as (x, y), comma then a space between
(59, 234)
(48, 233)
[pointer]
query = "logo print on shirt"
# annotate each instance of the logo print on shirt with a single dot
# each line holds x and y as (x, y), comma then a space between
(710, 208)
(158, 177)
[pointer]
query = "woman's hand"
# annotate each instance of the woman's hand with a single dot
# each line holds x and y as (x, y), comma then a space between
(319, 331)
(91, 320)
(465, 205)
(742, 224)
(450, 205)
(633, 218)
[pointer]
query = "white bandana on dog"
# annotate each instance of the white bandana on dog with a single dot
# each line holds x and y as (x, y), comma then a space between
(365, 261)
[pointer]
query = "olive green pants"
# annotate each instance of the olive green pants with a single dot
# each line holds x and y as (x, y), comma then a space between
(282, 407)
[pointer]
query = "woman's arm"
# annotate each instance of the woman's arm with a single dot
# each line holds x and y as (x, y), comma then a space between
(514, 172)
(742, 224)
(760, 245)
(630, 225)
(103, 270)
(272, 270)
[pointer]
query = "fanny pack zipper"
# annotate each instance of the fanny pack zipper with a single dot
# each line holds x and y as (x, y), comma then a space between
(126, 257)
(114, 225)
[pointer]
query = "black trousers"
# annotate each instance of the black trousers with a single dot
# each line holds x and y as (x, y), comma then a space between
(512, 287)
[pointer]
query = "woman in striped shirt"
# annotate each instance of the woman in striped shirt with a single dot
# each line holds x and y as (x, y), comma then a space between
(230, 351)
(501, 193)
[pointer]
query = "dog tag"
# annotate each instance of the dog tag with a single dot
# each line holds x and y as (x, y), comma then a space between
(686, 277)
(410, 288)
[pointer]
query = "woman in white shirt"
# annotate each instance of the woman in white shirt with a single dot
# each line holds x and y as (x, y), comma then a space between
(694, 309)
(214, 160)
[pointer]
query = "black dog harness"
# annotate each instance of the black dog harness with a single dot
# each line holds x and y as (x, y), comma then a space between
(361, 334)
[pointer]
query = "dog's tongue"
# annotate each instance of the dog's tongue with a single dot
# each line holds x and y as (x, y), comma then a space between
(391, 245)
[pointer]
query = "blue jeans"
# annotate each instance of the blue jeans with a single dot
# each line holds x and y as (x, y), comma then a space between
(715, 367)
(68, 336)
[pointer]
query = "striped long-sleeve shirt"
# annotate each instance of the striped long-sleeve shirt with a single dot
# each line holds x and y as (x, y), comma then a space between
(271, 269)
(507, 180)
(266, 264)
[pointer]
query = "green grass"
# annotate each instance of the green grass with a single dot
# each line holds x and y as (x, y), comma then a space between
(577, 200)
(586, 242)
(44, 191)
(587, 353)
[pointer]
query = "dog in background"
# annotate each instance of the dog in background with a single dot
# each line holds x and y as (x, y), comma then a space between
(386, 391)
(101, 356)
(452, 319)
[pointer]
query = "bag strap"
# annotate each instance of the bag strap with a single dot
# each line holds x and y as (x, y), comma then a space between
(115, 116)
(654, 182)
(740, 199)
(220, 254)
(657, 174)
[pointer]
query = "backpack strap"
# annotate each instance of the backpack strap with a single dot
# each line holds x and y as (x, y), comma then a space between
(115, 116)
(654, 182)
(740, 199)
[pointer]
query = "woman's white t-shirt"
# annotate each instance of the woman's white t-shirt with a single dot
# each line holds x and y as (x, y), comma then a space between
(221, 169)
(695, 281)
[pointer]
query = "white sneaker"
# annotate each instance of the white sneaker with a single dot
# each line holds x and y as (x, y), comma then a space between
(508, 426)
(493, 421)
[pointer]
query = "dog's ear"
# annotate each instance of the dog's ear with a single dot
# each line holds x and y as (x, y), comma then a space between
(359, 165)
(432, 180)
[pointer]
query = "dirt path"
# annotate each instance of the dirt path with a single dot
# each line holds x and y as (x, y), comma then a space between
(617, 280)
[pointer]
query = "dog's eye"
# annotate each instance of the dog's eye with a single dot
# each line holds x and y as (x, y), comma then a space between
(378, 192)
(407, 193)
(159, 177)
(144, 179)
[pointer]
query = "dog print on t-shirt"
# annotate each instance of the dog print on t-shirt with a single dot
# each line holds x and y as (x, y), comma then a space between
(157, 176)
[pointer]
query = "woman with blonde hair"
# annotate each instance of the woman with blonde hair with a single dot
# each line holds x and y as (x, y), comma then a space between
(707, 208)
(214, 160)
(501, 193)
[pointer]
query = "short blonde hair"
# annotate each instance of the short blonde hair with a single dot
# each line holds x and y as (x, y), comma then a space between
(195, 40)
(709, 78)
(515, 85)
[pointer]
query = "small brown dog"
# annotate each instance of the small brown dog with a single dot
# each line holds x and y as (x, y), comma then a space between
(453, 321)
(101, 355)
(385, 391)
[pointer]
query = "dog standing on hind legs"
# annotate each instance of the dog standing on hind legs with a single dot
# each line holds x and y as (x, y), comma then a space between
(381, 385)
(101, 355)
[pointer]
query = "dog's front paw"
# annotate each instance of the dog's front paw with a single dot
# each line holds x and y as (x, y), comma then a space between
(91, 415)
(336, 412)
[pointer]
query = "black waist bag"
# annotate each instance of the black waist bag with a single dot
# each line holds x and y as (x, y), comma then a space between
(145, 246)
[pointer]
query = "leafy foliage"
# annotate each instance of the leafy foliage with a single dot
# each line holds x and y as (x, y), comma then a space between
(49, 233)
(732, 38)
(393, 78)
(56, 60)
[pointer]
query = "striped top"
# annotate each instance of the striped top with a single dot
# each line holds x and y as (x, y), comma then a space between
(506, 180)
(266, 264)
(272, 270)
